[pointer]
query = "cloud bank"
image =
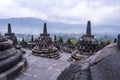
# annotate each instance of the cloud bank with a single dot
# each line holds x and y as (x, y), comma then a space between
(64, 11)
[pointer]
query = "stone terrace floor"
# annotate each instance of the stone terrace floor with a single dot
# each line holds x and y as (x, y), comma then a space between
(43, 68)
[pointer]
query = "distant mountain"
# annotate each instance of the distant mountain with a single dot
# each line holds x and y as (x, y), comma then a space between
(35, 26)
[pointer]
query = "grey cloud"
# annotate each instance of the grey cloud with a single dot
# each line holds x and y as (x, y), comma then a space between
(66, 11)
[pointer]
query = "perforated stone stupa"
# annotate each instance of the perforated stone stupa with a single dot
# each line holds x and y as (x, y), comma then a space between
(11, 35)
(86, 46)
(44, 46)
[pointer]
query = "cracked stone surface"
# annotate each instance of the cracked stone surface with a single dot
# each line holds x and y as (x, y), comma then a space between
(43, 68)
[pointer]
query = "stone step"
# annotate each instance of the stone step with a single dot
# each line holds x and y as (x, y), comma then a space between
(14, 71)
(10, 62)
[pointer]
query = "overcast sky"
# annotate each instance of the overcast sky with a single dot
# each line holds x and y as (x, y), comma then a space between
(66, 11)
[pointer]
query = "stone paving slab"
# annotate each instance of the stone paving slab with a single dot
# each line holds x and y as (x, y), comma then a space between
(43, 68)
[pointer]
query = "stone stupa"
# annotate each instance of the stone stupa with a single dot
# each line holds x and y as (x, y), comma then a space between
(11, 60)
(103, 65)
(68, 46)
(31, 43)
(56, 43)
(44, 46)
(11, 35)
(86, 46)
(23, 43)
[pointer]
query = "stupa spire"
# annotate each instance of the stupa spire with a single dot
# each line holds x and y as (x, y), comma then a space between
(88, 30)
(45, 29)
(9, 28)
(55, 38)
(32, 39)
